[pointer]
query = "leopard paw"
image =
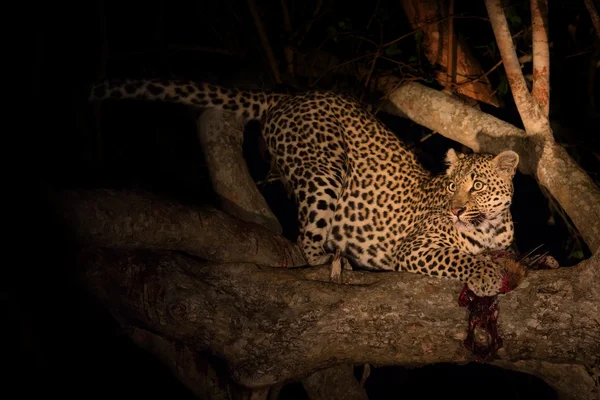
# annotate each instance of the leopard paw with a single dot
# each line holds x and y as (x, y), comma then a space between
(487, 279)
(336, 267)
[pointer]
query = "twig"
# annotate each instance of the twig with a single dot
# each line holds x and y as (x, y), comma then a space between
(578, 53)
(370, 22)
(373, 62)
(457, 85)
(451, 42)
(348, 35)
(341, 65)
(177, 47)
(288, 50)
(309, 23)
(526, 58)
(471, 17)
(264, 40)
(415, 31)
(400, 63)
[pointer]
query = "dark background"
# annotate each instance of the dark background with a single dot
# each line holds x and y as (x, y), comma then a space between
(70, 346)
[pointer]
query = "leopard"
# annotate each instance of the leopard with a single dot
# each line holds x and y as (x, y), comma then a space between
(359, 189)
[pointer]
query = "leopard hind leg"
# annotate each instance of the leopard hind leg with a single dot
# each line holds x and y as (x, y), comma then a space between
(316, 194)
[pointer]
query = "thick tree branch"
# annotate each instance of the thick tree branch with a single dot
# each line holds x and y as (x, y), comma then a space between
(531, 114)
(549, 163)
(541, 55)
(276, 324)
(221, 137)
(128, 220)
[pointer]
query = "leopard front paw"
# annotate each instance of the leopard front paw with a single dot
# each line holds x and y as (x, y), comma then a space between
(487, 279)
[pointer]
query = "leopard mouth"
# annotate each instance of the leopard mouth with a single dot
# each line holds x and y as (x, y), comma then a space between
(469, 221)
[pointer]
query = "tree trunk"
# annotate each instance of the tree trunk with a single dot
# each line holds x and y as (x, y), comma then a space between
(277, 324)
(272, 325)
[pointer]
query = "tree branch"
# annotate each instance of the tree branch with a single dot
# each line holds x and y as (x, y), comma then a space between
(276, 324)
(541, 55)
(129, 220)
(221, 137)
(531, 115)
(264, 39)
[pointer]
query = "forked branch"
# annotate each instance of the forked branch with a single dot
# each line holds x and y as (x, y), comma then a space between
(531, 114)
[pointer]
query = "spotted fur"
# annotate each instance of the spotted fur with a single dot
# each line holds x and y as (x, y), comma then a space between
(359, 189)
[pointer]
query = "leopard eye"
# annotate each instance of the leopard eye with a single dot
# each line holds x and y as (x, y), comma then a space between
(451, 187)
(478, 185)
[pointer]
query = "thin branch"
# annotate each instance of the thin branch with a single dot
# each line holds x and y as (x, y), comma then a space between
(399, 63)
(347, 35)
(288, 50)
(264, 40)
(533, 119)
(593, 15)
(315, 16)
(369, 23)
(177, 47)
(480, 76)
(342, 64)
(541, 54)
(437, 21)
(451, 45)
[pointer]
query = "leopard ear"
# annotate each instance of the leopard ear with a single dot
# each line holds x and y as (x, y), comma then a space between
(451, 160)
(506, 163)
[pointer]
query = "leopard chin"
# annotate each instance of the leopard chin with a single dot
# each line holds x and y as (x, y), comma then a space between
(470, 223)
(463, 226)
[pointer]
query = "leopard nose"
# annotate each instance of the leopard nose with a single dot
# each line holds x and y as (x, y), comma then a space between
(458, 211)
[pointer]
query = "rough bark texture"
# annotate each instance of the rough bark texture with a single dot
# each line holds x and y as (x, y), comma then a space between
(221, 137)
(549, 163)
(273, 324)
(541, 55)
(129, 220)
(467, 69)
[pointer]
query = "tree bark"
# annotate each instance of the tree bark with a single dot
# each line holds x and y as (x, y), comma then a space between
(221, 137)
(530, 112)
(273, 324)
(541, 55)
(129, 220)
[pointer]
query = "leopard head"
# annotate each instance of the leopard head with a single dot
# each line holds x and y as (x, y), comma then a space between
(479, 187)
